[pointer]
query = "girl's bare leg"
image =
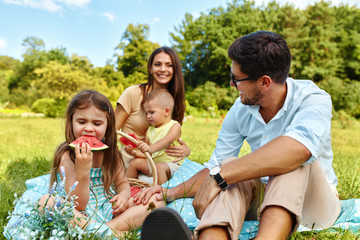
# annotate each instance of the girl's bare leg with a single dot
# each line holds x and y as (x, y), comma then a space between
(134, 216)
(80, 220)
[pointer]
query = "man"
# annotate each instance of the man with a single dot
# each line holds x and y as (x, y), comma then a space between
(287, 123)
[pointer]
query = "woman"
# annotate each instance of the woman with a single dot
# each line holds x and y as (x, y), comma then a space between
(164, 72)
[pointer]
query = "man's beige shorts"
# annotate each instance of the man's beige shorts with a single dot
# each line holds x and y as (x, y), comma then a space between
(304, 192)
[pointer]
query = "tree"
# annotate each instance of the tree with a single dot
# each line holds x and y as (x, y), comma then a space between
(34, 57)
(4, 76)
(202, 43)
(8, 63)
(348, 40)
(322, 56)
(58, 81)
(135, 50)
(113, 78)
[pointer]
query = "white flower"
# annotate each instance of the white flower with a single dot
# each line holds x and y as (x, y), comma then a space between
(33, 223)
(74, 186)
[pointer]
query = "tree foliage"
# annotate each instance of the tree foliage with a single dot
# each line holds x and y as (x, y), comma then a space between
(324, 41)
(135, 50)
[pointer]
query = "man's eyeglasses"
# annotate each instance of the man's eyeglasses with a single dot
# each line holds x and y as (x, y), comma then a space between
(234, 81)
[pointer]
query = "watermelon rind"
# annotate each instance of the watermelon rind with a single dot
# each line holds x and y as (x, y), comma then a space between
(94, 143)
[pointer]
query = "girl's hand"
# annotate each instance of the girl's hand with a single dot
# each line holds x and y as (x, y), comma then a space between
(84, 157)
(144, 147)
(180, 152)
(119, 204)
(145, 194)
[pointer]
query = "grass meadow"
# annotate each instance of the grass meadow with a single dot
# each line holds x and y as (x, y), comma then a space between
(27, 147)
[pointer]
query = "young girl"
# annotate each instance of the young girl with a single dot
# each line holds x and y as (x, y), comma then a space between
(103, 191)
(164, 131)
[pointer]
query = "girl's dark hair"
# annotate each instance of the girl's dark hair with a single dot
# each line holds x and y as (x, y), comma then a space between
(262, 53)
(175, 86)
(112, 161)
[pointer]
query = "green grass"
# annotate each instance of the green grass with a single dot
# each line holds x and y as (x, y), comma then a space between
(28, 144)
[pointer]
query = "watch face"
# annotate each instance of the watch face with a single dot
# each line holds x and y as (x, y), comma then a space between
(215, 170)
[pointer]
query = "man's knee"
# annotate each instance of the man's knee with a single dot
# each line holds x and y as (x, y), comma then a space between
(277, 222)
(214, 232)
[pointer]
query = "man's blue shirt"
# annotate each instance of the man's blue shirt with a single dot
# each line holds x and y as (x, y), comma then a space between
(305, 116)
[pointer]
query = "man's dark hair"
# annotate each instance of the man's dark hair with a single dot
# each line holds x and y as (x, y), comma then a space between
(262, 53)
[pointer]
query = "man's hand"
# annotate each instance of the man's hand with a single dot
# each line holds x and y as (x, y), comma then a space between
(144, 195)
(119, 204)
(204, 196)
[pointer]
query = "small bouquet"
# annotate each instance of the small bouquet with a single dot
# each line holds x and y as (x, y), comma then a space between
(54, 221)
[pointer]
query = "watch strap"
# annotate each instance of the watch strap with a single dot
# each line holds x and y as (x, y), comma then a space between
(220, 181)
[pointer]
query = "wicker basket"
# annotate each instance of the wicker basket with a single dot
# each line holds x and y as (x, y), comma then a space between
(136, 182)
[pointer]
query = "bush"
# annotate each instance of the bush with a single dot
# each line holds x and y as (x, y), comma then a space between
(345, 95)
(50, 107)
(209, 95)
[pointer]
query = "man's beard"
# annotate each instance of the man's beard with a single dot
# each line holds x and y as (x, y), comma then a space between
(255, 100)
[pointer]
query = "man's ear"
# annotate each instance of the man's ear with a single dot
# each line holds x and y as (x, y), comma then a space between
(265, 81)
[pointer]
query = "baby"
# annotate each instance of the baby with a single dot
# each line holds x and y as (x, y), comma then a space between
(162, 132)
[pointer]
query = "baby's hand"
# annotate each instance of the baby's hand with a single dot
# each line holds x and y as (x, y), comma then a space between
(119, 204)
(144, 147)
(130, 150)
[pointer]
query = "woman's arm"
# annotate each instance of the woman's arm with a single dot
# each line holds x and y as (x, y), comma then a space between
(120, 116)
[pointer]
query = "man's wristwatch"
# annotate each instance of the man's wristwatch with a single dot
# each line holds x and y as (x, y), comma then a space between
(215, 173)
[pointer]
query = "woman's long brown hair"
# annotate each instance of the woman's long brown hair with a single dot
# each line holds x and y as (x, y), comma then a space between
(176, 85)
(112, 162)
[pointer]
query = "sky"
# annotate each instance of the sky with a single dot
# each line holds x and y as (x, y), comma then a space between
(93, 28)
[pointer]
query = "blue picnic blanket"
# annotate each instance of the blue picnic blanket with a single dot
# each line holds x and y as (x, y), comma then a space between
(349, 217)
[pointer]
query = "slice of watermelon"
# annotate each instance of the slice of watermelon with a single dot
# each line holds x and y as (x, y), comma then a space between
(127, 142)
(134, 190)
(94, 143)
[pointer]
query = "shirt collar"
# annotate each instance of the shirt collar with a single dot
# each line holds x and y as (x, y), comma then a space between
(254, 109)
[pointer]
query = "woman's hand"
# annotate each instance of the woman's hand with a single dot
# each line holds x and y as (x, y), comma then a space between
(119, 204)
(145, 194)
(180, 152)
